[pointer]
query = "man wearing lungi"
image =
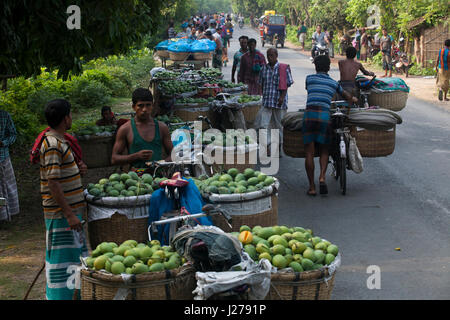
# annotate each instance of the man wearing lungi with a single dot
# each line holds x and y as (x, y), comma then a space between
(316, 127)
(8, 186)
(62, 201)
(443, 73)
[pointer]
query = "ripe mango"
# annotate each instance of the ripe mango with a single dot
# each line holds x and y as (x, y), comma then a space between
(298, 247)
(99, 262)
(245, 237)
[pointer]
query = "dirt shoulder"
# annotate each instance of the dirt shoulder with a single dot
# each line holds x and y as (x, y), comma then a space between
(423, 88)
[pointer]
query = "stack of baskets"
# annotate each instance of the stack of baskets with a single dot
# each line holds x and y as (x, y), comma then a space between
(176, 284)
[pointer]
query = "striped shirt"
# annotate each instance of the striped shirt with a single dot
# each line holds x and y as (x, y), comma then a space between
(57, 162)
(321, 89)
(444, 57)
(269, 79)
(8, 134)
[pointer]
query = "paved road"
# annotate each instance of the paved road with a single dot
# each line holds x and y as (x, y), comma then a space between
(400, 201)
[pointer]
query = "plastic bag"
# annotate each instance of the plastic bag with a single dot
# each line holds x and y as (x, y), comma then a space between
(183, 45)
(203, 45)
(162, 45)
(354, 156)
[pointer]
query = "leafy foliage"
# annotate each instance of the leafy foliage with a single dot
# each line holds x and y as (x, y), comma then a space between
(35, 33)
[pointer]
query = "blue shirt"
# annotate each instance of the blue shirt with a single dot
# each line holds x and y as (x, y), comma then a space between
(321, 89)
(269, 79)
(444, 56)
(7, 134)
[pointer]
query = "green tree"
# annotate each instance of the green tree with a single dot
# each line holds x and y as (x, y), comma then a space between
(35, 33)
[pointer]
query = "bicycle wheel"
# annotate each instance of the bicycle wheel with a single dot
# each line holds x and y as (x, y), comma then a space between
(343, 175)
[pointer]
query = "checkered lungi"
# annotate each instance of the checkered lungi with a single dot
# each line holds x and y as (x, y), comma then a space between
(316, 125)
(8, 190)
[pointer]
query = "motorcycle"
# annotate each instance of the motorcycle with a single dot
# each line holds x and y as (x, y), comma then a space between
(319, 50)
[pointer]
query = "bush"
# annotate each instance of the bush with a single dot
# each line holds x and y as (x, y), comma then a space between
(83, 92)
(37, 101)
(25, 121)
(114, 84)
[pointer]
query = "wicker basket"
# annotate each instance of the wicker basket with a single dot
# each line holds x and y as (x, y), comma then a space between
(97, 151)
(176, 284)
(395, 100)
(178, 56)
(202, 55)
(117, 229)
(250, 113)
(192, 113)
(163, 53)
(293, 144)
(374, 143)
(307, 285)
(261, 210)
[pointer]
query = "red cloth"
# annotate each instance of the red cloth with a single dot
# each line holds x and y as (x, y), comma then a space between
(282, 85)
(71, 140)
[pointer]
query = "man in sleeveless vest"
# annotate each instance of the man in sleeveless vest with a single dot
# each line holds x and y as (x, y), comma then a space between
(145, 138)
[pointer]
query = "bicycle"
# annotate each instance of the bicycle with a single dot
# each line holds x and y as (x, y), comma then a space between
(339, 145)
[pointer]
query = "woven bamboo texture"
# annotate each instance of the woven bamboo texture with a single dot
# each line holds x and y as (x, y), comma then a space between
(163, 53)
(250, 113)
(374, 143)
(202, 55)
(176, 284)
(293, 144)
(190, 114)
(264, 219)
(307, 285)
(117, 229)
(97, 151)
(178, 56)
(395, 100)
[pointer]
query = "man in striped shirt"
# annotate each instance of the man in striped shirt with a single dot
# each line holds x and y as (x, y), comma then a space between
(62, 201)
(442, 70)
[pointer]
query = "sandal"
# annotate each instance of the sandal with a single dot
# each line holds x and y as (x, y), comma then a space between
(323, 188)
(311, 193)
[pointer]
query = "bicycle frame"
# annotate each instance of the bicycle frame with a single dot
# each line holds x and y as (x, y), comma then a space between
(339, 146)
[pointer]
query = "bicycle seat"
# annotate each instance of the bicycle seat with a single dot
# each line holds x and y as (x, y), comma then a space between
(175, 181)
